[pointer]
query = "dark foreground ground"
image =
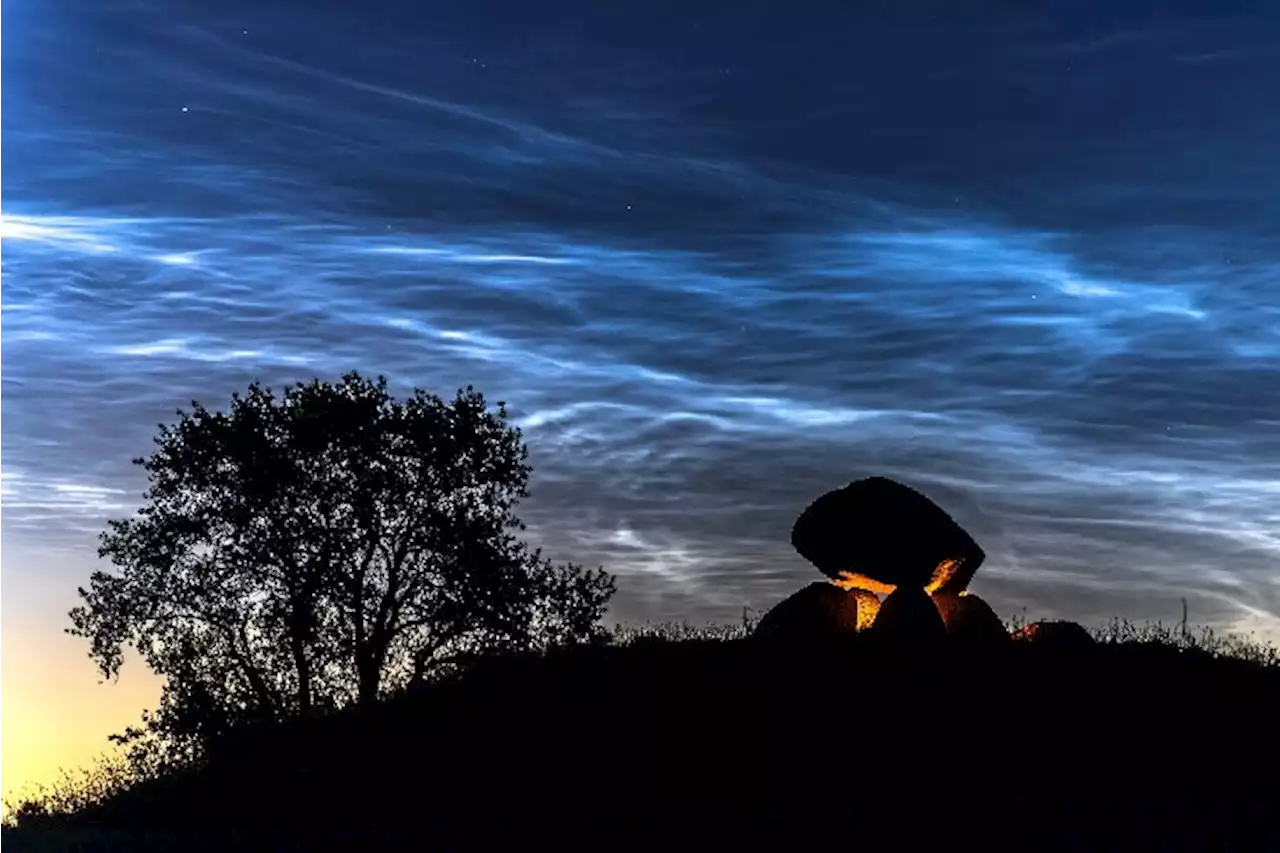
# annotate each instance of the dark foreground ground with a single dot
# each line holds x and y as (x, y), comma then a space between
(719, 744)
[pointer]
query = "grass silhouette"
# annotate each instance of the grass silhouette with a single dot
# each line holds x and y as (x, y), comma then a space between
(1156, 738)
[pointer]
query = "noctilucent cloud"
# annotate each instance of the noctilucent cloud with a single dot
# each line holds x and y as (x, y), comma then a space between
(717, 257)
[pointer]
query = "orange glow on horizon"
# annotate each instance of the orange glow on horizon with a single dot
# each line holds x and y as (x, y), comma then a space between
(55, 713)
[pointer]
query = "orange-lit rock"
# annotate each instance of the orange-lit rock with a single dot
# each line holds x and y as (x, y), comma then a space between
(819, 610)
(908, 617)
(877, 534)
(868, 607)
(969, 619)
(949, 578)
(1056, 635)
(943, 577)
(853, 580)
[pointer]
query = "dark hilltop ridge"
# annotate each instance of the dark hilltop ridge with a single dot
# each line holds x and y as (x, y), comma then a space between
(883, 707)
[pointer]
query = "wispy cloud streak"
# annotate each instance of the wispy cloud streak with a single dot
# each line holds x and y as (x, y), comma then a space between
(696, 338)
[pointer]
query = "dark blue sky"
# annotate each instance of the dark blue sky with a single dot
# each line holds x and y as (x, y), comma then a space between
(717, 258)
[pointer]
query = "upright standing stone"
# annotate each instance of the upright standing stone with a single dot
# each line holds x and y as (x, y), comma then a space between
(819, 610)
(908, 617)
(969, 619)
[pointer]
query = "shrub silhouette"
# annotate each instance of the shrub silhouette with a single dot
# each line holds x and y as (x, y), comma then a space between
(299, 553)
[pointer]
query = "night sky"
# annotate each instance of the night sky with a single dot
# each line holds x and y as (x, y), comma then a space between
(716, 257)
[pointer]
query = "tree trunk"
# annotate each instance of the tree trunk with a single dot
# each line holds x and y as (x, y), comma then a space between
(369, 674)
(304, 677)
(298, 632)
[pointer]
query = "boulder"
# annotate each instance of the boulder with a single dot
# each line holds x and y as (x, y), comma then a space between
(1067, 636)
(821, 609)
(969, 619)
(889, 535)
(908, 617)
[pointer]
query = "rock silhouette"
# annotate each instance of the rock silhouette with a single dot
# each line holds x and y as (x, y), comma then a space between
(969, 619)
(877, 537)
(908, 617)
(1055, 634)
(887, 535)
(817, 611)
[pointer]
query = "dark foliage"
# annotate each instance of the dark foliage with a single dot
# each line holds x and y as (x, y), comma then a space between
(301, 553)
(1125, 746)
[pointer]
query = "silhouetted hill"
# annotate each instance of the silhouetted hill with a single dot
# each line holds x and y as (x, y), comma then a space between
(682, 744)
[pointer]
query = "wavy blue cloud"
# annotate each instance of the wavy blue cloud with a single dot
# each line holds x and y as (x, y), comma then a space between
(711, 283)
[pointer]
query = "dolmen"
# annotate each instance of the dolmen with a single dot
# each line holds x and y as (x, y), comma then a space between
(877, 537)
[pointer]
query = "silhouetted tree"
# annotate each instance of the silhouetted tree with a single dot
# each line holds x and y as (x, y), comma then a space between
(304, 552)
(30, 813)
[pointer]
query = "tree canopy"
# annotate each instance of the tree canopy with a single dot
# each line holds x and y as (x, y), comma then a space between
(306, 551)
